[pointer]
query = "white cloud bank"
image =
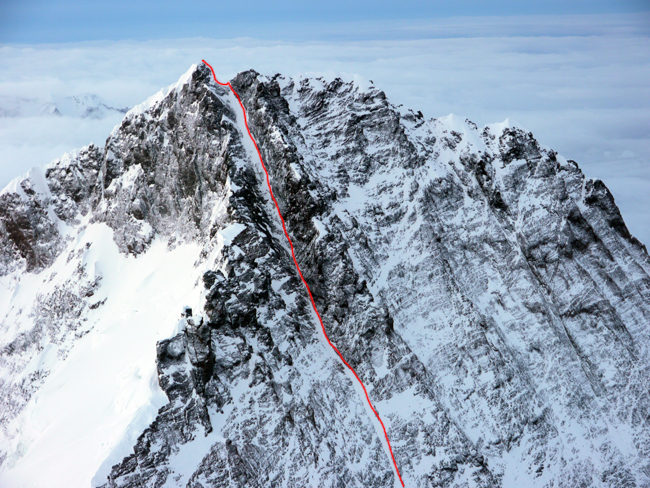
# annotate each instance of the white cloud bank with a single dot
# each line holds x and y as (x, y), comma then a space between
(580, 84)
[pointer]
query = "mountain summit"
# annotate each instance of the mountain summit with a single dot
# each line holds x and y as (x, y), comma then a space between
(155, 331)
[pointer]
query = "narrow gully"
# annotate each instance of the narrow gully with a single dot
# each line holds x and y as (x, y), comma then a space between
(286, 233)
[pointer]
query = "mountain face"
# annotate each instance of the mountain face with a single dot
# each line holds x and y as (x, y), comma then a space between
(155, 331)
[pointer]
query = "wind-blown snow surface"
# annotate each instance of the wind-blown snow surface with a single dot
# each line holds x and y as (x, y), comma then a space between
(99, 395)
(489, 296)
(106, 389)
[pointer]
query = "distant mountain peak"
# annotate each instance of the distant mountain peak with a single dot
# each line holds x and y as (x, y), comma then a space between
(86, 105)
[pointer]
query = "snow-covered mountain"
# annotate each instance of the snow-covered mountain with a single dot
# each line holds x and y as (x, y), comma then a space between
(155, 331)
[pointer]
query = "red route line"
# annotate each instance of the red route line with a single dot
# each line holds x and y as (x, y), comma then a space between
(268, 181)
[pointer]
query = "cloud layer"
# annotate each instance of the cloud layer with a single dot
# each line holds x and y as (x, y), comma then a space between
(585, 95)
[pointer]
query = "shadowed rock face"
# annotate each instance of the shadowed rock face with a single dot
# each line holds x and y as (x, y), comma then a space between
(490, 297)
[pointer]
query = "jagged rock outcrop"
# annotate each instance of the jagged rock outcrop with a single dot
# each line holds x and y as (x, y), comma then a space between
(489, 296)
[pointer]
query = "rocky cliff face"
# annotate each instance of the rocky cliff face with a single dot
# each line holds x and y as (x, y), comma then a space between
(489, 296)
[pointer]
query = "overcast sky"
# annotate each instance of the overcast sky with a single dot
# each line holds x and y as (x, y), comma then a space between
(575, 73)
